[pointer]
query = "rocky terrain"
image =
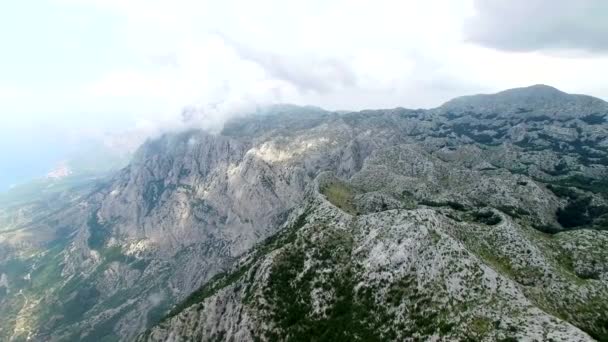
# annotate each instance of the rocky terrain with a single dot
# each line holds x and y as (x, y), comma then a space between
(483, 219)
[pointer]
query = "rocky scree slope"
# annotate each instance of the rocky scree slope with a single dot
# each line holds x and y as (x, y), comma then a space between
(483, 219)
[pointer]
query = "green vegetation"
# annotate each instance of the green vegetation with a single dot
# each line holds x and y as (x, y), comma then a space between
(85, 298)
(475, 132)
(558, 170)
(486, 217)
(215, 284)
(99, 233)
(73, 299)
(562, 191)
(341, 195)
(597, 186)
(547, 228)
(594, 119)
(48, 270)
(349, 316)
(354, 312)
(499, 263)
(513, 211)
(579, 212)
(103, 332)
(480, 327)
(454, 205)
(575, 214)
(434, 236)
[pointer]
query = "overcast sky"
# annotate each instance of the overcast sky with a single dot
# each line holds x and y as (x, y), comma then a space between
(80, 67)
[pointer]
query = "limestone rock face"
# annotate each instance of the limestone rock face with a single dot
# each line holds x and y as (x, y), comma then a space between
(390, 275)
(482, 219)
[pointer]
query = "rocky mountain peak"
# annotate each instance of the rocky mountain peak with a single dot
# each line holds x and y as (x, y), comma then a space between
(536, 100)
(537, 90)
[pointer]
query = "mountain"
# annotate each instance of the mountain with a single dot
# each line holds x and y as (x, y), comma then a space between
(535, 101)
(483, 219)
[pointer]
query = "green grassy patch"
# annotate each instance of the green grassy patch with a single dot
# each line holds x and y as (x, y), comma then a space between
(498, 263)
(480, 327)
(341, 195)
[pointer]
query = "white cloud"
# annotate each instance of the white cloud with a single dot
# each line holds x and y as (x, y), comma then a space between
(223, 56)
(12, 92)
(314, 45)
(130, 83)
(533, 25)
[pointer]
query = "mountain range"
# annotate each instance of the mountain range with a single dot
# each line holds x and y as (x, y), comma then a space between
(485, 219)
